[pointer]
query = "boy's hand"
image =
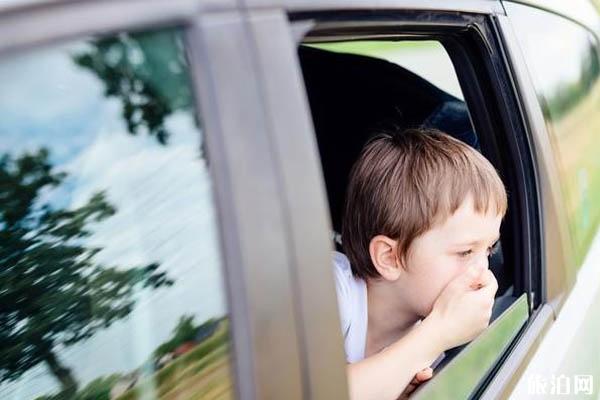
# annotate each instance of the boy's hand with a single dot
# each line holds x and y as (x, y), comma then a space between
(463, 309)
(420, 377)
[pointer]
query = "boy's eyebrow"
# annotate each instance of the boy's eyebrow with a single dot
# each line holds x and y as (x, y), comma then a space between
(474, 242)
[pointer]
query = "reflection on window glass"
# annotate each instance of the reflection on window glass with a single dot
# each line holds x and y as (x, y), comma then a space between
(563, 61)
(111, 284)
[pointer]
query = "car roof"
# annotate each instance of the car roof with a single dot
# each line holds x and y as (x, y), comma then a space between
(576, 9)
(581, 11)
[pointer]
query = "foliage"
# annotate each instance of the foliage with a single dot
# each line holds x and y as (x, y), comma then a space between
(567, 95)
(147, 72)
(53, 293)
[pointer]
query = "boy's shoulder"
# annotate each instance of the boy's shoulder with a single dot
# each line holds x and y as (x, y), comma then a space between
(342, 273)
(345, 279)
(341, 262)
(351, 290)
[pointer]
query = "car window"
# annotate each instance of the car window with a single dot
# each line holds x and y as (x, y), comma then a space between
(461, 378)
(111, 279)
(566, 78)
(390, 85)
(356, 88)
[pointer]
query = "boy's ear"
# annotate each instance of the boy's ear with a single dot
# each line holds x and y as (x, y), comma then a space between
(383, 251)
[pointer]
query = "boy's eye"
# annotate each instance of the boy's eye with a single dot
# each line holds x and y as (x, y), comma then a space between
(493, 249)
(465, 253)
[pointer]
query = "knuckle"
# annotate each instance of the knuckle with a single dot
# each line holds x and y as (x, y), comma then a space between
(494, 284)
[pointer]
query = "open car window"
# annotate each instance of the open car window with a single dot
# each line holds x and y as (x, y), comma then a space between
(358, 81)
(356, 88)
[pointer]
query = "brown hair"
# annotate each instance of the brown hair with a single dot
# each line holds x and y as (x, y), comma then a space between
(405, 183)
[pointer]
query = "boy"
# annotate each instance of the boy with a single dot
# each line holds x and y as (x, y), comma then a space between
(422, 214)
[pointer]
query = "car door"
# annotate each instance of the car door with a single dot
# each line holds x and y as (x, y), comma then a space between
(143, 249)
(563, 95)
(510, 342)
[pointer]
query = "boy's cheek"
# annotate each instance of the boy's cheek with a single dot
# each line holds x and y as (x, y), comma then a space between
(432, 294)
(434, 275)
(436, 286)
(456, 267)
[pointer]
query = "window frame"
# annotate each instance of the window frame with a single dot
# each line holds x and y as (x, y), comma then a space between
(265, 355)
(486, 111)
(508, 113)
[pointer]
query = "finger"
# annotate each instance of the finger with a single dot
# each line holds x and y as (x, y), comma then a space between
(487, 277)
(491, 287)
(483, 279)
(424, 375)
(415, 381)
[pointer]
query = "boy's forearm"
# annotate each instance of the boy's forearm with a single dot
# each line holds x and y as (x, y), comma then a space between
(386, 374)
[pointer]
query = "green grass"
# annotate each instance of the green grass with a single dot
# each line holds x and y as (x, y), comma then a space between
(576, 142)
(201, 371)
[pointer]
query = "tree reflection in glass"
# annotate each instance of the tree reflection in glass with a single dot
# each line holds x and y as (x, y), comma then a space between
(110, 274)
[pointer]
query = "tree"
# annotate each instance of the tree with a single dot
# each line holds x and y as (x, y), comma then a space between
(53, 293)
(569, 93)
(147, 72)
(184, 331)
(98, 389)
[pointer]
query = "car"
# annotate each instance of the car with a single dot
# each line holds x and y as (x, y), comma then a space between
(172, 175)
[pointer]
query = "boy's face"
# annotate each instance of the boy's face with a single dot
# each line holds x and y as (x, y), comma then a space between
(443, 252)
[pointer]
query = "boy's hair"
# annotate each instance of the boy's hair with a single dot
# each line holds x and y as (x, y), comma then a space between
(405, 183)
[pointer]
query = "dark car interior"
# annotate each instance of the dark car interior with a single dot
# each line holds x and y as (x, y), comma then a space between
(353, 97)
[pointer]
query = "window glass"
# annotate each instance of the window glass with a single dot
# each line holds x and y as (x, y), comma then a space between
(111, 281)
(460, 378)
(562, 58)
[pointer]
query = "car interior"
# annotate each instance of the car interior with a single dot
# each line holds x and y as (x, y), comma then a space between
(352, 97)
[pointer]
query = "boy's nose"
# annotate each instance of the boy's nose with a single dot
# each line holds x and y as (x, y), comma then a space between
(481, 261)
(485, 261)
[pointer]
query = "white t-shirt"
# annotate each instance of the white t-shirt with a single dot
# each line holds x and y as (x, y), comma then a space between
(352, 303)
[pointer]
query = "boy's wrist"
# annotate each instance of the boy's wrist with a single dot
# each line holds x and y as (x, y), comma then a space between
(431, 330)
